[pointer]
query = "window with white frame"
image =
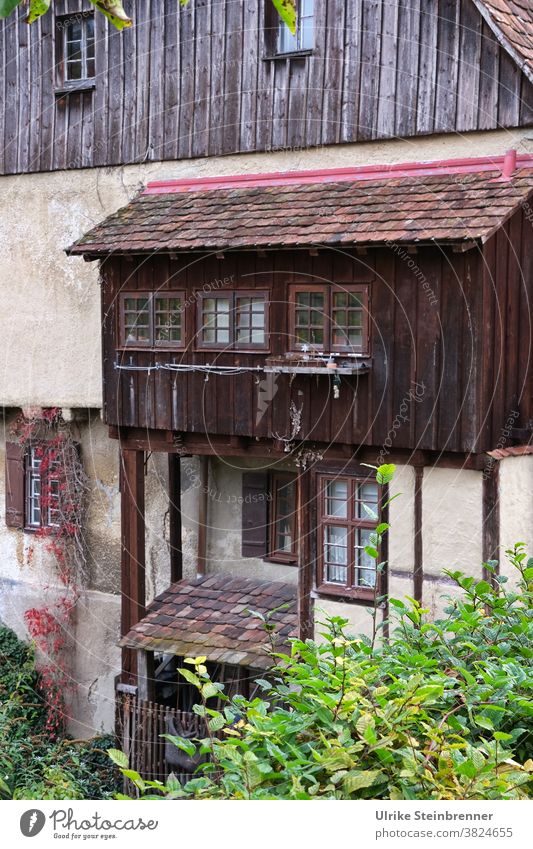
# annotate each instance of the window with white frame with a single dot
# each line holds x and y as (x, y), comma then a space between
(304, 37)
(77, 54)
(42, 488)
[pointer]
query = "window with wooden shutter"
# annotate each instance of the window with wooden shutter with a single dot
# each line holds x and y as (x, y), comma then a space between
(255, 498)
(14, 485)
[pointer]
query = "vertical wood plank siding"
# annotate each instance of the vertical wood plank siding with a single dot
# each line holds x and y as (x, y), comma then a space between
(197, 81)
(441, 322)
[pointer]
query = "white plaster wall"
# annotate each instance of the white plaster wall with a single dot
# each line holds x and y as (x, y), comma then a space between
(225, 523)
(50, 349)
(516, 507)
(452, 520)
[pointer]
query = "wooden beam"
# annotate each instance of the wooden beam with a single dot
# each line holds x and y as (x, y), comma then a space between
(133, 551)
(418, 574)
(145, 675)
(305, 507)
(491, 517)
(174, 516)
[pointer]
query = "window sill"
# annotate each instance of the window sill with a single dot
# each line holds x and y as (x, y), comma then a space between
(290, 561)
(74, 88)
(352, 596)
(318, 366)
(293, 54)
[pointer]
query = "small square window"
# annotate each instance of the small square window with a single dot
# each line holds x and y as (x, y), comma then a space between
(152, 321)
(333, 319)
(233, 321)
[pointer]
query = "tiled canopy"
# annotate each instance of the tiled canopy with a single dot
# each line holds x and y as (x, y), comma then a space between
(212, 616)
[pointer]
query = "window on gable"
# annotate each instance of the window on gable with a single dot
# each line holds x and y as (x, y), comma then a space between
(233, 321)
(348, 516)
(304, 37)
(76, 48)
(149, 320)
(329, 319)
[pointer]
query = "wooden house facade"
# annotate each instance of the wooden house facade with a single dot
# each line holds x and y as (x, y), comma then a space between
(320, 262)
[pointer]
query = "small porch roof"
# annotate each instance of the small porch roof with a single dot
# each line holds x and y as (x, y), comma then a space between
(439, 202)
(211, 616)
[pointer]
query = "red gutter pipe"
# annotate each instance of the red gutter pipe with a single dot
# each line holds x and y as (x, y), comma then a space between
(506, 164)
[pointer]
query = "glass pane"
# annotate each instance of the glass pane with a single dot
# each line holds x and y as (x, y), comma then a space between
(222, 336)
(285, 507)
(366, 504)
(209, 305)
(74, 71)
(337, 499)
(355, 318)
(74, 30)
(258, 337)
(365, 571)
(336, 554)
(303, 298)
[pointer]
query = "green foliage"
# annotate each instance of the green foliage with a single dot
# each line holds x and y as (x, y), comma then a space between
(115, 13)
(31, 765)
(442, 710)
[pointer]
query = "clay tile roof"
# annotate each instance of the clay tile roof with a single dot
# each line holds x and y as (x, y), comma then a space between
(436, 207)
(178, 621)
(511, 451)
(512, 23)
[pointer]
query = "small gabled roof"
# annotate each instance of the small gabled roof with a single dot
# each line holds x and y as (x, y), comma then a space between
(421, 202)
(212, 616)
(511, 21)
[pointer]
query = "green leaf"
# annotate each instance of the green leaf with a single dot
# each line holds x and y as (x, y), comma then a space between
(483, 587)
(7, 6)
(118, 758)
(37, 9)
(287, 12)
(190, 677)
(216, 723)
(182, 743)
(484, 722)
(385, 473)
(209, 690)
(114, 12)
(358, 779)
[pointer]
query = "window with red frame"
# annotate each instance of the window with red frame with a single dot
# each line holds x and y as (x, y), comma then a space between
(149, 320)
(348, 517)
(329, 318)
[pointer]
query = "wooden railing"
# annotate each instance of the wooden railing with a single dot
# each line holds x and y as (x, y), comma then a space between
(139, 726)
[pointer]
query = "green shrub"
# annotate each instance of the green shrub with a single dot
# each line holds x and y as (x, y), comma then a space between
(441, 710)
(31, 765)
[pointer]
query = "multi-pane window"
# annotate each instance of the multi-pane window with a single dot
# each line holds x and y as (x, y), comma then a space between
(329, 319)
(349, 510)
(78, 48)
(233, 320)
(283, 518)
(42, 489)
(152, 320)
(303, 38)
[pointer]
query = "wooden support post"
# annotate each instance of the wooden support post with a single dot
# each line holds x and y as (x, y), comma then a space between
(491, 516)
(202, 516)
(133, 551)
(418, 575)
(174, 514)
(145, 675)
(306, 621)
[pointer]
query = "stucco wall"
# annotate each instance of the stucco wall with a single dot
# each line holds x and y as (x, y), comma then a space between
(50, 351)
(29, 578)
(516, 507)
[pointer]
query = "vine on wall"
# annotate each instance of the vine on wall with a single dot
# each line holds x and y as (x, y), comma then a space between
(63, 488)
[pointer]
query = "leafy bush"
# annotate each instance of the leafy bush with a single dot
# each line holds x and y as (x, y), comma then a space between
(32, 766)
(441, 710)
